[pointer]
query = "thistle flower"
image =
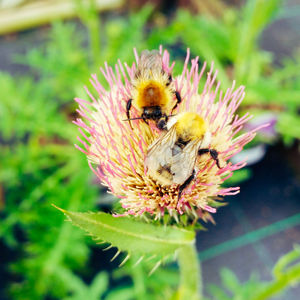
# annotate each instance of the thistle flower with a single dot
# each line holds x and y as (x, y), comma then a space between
(116, 152)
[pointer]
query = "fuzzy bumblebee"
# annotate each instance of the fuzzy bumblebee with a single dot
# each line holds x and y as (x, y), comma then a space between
(153, 92)
(171, 158)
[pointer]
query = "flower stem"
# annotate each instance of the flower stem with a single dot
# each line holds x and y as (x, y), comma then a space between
(190, 274)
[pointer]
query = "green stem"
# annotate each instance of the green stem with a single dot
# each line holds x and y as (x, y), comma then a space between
(88, 14)
(190, 274)
(95, 38)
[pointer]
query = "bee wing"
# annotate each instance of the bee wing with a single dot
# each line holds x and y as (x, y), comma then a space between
(184, 162)
(160, 151)
(150, 60)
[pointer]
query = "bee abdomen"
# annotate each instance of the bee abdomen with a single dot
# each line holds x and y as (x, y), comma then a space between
(165, 175)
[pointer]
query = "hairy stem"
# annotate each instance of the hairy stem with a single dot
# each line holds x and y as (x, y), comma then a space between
(190, 273)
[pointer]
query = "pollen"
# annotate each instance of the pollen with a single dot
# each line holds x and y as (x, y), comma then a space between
(152, 93)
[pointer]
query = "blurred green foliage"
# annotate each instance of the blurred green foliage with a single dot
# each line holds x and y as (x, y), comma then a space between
(40, 166)
(232, 43)
(286, 272)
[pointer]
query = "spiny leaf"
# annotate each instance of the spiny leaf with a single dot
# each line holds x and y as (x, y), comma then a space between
(131, 235)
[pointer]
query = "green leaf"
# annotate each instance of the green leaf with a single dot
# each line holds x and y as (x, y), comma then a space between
(98, 286)
(131, 235)
(124, 293)
(218, 293)
(230, 281)
(284, 261)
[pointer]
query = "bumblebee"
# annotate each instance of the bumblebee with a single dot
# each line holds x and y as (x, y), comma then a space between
(171, 158)
(153, 90)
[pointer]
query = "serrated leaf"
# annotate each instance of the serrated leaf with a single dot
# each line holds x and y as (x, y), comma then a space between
(131, 235)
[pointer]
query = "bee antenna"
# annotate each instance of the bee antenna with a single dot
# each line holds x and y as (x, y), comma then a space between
(172, 115)
(139, 118)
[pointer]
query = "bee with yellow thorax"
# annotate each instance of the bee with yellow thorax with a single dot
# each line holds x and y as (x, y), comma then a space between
(171, 158)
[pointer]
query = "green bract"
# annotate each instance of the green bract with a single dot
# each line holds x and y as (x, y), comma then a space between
(131, 235)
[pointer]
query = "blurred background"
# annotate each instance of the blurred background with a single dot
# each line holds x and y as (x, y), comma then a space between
(48, 49)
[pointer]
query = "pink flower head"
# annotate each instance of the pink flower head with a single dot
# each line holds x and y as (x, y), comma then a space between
(116, 152)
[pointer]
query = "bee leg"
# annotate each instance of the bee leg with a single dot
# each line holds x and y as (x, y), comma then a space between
(128, 106)
(144, 118)
(185, 184)
(213, 153)
(170, 79)
(178, 97)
